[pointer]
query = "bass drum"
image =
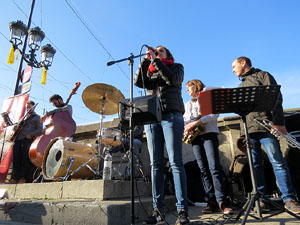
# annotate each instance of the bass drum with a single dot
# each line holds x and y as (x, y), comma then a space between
(58, 155)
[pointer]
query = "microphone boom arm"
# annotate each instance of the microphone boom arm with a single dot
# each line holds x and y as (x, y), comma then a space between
(121, 60)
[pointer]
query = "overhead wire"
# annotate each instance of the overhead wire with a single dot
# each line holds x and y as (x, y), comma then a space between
(93, 35)
(90, 31)
(56, 47)
(61, 83)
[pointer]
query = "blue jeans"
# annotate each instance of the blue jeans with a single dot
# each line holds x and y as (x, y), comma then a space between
(281, 171)
(206, 151)
(169, 132)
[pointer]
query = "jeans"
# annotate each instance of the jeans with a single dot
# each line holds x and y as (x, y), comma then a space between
(169, 132)
(206, 151)
(281, 171)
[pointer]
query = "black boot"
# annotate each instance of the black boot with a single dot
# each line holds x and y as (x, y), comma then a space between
(156, 218)
(182, 218)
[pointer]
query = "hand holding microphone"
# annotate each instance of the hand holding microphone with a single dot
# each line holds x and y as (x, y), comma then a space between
(151, 53)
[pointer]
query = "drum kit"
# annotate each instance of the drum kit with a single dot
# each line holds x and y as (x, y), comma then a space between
(65, 159)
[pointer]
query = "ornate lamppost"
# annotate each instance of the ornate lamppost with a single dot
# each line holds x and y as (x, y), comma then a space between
(17, 33)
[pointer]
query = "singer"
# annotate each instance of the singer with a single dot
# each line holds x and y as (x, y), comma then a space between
(161, 76)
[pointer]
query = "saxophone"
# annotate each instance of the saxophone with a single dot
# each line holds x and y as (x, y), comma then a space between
(188, 137)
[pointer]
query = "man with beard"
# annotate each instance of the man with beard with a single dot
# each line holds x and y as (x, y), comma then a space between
(58, 102)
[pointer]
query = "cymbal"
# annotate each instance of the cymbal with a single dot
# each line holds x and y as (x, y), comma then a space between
(94, 95)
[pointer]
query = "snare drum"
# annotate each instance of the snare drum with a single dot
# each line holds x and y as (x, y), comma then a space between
(57, 159)
(111, 137)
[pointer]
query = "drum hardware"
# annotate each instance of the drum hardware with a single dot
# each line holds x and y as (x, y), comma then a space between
(127, 172)
(71, 159)
(84, 164)
(102, 99)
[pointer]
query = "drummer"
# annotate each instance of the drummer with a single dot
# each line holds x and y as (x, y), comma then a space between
(58, 102)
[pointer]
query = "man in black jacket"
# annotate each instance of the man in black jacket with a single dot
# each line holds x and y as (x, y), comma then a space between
(250, 76)
(29, 131)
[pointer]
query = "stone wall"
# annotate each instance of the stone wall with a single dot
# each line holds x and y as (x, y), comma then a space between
(229, 133)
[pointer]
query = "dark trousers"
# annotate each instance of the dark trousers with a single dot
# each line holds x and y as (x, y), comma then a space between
(206, 151)
(21, 161)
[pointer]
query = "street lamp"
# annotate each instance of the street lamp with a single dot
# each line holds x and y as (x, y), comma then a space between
(17, 33)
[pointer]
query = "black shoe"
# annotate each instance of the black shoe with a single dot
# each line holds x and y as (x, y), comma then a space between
(264, 207)
(182, 218)
(156, 218)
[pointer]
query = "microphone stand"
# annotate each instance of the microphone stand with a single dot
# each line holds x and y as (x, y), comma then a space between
(130, 62)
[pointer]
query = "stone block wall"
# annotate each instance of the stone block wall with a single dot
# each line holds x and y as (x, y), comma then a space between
(229, 133)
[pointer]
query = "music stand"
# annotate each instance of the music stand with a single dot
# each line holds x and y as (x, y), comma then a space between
(242, 101)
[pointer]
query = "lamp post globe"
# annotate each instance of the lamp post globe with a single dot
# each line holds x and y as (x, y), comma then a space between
(17, 32)
(47, 55)
(36, 35)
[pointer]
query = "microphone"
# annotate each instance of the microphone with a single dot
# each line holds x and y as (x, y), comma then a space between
(110, 63)
(150, 47)
(155, 52)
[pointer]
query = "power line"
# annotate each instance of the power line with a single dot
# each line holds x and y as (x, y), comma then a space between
(94, 36)
(56, 47)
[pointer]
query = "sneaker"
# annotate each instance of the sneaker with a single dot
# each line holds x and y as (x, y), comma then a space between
(225, 209)
(156, 218)
(264, 207)
(292, 206)
(182, 218)
(210, 208)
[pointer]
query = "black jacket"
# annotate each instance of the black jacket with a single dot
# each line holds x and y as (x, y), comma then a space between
(257, 77)
(166, 83)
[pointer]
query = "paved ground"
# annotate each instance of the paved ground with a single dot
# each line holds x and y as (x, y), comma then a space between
(197, 218)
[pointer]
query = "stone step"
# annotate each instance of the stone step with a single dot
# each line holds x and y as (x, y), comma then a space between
(86, 202)
(79, 211)
(81, 189)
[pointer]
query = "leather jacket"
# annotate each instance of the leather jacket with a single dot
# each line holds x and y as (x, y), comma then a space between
(257, 77)
(165, 82)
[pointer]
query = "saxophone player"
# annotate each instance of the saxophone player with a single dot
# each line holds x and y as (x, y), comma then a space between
(206, 150)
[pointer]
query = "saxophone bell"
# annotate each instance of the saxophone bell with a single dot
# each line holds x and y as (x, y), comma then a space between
(188, 137)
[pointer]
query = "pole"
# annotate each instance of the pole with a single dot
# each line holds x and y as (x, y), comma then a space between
(131, 139)
(24, 48)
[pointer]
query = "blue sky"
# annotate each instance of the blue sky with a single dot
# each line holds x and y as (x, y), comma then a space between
(205, 36)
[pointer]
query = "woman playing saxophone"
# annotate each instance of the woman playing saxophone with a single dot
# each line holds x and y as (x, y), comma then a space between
(206, 150)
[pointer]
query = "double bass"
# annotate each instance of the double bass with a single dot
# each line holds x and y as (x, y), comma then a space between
(61, 124)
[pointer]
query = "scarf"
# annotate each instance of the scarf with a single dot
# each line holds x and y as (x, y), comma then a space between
(167, 62)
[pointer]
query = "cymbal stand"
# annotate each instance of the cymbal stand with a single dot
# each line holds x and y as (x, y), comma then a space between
(97, 174)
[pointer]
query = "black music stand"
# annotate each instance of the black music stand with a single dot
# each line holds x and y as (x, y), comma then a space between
(242, 101)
